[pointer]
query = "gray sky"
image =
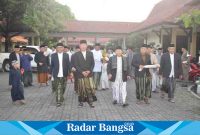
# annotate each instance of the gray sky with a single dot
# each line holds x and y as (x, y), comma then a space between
(111, 10)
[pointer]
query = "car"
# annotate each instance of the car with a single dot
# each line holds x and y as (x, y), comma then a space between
(4, 58)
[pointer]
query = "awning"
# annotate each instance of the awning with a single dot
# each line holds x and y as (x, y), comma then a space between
(16, 39)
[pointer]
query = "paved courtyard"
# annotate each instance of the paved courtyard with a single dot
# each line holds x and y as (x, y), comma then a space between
(41, 105)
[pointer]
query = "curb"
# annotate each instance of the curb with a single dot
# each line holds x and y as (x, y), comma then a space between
(194, 94)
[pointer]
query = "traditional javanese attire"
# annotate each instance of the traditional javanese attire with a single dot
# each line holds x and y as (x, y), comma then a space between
(97, 67)
(142, 78)
(84, 61)
(42, 69)
(118, 68)
(17, 90)
(59, 68)
(13, 57)
(104, 82)
(170, 69)
(26, 66)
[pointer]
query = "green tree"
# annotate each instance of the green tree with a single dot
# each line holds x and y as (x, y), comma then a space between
(10, 18)
(191, 19)
(39, 16)
(44, 16)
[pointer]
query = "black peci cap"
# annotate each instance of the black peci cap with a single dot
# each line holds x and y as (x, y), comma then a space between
(118, 47)
(59, 45)
(144, 45)
(83, 42)
(97, 44)
(17, 46)
(41, 46)
(171, 45)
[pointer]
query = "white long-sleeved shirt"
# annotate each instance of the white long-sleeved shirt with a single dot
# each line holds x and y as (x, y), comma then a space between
(172, 63)
(60, 58)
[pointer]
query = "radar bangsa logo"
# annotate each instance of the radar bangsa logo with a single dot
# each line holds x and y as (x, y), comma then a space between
(101, 127)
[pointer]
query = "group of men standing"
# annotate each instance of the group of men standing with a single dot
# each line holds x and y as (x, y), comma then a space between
(151, 69)
(82, 64)
(150, 72)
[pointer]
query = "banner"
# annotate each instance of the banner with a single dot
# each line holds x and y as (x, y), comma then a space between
(99, 127)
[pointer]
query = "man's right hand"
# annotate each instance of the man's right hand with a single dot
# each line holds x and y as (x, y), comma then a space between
(40, 64)
(141, 66)
(73, 69)
(84, 74)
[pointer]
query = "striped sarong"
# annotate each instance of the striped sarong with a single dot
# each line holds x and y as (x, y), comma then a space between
(86, 89)
(143, 87)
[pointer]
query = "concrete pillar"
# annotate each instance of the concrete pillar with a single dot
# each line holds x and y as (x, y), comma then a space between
(173, 38)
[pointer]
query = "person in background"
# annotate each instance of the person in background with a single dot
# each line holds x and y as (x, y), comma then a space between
(67, 50)
(17, 90)
(110, 53)
(142, 75)
(53, 48)
(14, 56)
(158, 56)
(84, 64)
(97, 67)
(170, 70)
(42, 66)
(59, 69)
(26, 59)
(104, 82)
(185, 65)
(153, 71)
(46, 51)
(130, 55)
(90, 48)
(118, 73)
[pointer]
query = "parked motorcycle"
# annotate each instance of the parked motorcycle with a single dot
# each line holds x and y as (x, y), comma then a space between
(194, 72)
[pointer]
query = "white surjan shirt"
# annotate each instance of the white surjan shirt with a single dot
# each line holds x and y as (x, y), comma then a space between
(60, 58)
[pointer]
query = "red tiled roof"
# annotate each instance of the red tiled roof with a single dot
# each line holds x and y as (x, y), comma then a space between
(99, 27)
(168, 11)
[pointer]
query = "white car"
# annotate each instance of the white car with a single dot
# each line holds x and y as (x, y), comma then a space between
(4, 58)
